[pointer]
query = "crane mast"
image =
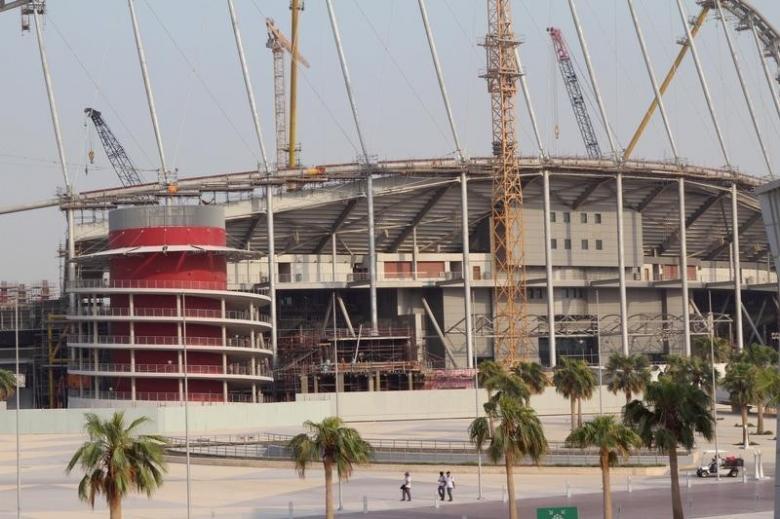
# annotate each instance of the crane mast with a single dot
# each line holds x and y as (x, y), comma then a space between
(575, 93)
(128, 174)
(507, 229)
(278, 44)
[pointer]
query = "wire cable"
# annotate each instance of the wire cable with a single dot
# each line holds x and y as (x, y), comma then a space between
(97, 87)
(200, 79)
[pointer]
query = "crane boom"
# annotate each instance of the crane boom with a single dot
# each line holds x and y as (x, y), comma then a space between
(575, 93)
(125, 170)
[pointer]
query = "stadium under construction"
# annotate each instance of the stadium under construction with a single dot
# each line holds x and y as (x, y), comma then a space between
(404, 274)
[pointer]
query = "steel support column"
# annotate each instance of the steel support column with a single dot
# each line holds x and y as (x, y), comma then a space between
(268, 190)
(548, 264)
(621, 265)
(466, 268)
(163, 174)
(365, 158)
(70, 266)
(743, 86)
(737, 268)
(684, 268)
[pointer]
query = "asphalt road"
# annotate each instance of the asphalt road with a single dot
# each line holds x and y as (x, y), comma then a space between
(704, 500)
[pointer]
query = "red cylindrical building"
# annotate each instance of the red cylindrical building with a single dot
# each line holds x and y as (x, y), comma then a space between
(163, 309)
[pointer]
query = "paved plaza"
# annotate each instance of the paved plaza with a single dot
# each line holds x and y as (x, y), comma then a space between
(266, 491)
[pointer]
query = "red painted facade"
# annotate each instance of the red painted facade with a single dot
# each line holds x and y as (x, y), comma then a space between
(172, 267)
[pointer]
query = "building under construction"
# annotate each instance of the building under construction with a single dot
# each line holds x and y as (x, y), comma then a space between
(405, 274)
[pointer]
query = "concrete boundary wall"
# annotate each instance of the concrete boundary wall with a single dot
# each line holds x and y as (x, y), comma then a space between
(446, 403)
(353, 407)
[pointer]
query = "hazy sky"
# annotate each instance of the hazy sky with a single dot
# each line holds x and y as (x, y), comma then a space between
(207, 128)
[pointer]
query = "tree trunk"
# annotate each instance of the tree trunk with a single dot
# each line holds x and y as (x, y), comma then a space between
(677, 509)
(510, 485)
(743, 410)
(573, 403)
(491, 425)
(115, 509)
(605, 485)
(579, 412)
(760, 419)
(628, 396)
(329, 490)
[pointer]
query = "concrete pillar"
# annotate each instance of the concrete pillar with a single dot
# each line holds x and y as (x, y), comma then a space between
(305, 384)
(254, 393)
(225, 391)
(222, 307)
(132, 389)
(411, 381)
(378, 383)
(370, 381)
(316, 380)
(414, 252)
(181, 390)
(340, 382)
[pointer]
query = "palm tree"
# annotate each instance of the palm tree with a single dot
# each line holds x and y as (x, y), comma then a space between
(334, 444)
(670, 416)
(7, 384)
(741, 381)
(613, 439)
(695, 371)
(116, 460)
(721, 347)
(628, 374)
(518, 434)
(498, 380)
(575, 381)
(566, 382)
(532, 374)
(763, 358)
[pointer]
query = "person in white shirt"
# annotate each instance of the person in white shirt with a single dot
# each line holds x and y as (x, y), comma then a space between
(406, 488)
(450, 484)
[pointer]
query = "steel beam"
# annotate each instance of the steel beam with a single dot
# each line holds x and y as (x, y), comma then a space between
(652, 195)
(444, 340)
(689, 221)
(437, 195)
(585, 195)
(728, 239)
(340, 219)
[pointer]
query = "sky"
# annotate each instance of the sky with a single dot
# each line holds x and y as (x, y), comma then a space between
(207, 127)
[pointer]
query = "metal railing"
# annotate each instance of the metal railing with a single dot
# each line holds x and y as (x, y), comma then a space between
(165, 284)
(161, 396)
(197, 313)
(274, 446)
(194, 369)
(165, 340)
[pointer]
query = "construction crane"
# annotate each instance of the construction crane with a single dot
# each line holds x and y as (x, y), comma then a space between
(575, 93)
(507, 228)
(278, 43)
(125, 170)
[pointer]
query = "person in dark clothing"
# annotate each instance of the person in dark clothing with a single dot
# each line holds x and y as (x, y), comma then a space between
(442, 485)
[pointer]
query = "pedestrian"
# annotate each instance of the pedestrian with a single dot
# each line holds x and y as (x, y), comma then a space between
(442, 485)
(406, 487)
(450, 484)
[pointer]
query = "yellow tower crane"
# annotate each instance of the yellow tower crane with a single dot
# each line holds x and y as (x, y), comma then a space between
(278, 43)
